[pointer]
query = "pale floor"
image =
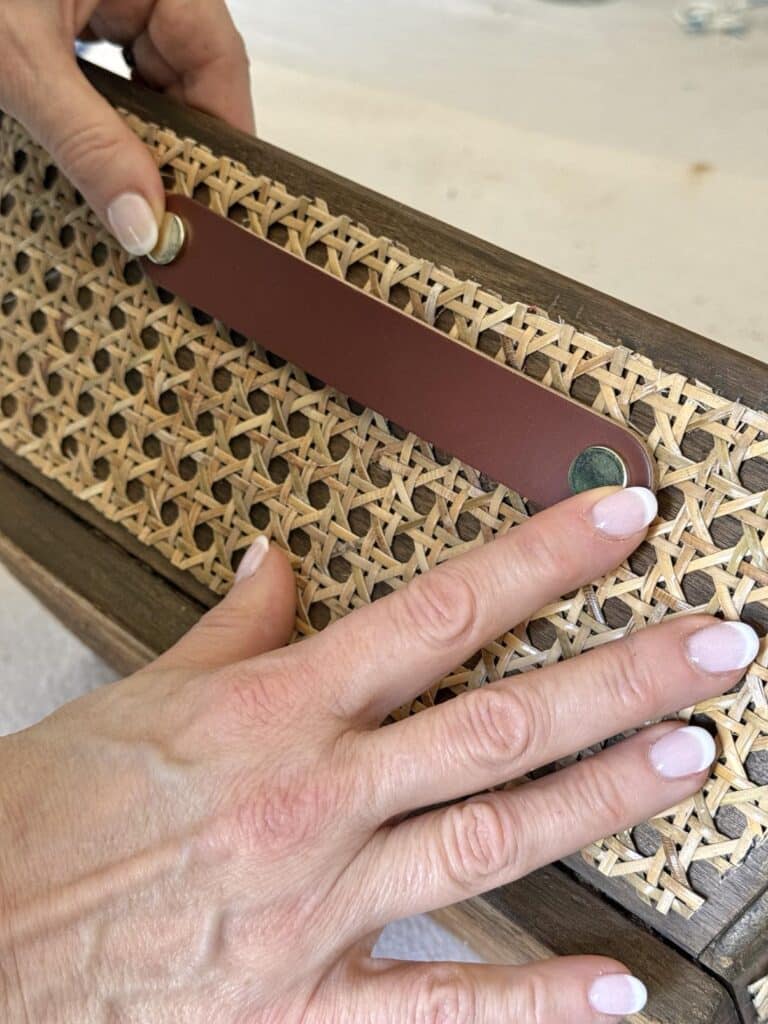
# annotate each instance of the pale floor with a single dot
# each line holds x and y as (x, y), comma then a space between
(596, 139)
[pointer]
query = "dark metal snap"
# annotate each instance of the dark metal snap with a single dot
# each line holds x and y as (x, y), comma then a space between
(597, 466)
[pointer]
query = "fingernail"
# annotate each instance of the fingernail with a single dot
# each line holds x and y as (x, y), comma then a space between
(252, 559)
(131, 218)
(723, 647)
(685, 751)
(625, 512)
(618, 995)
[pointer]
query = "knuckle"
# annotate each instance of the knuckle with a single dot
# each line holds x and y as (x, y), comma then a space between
(443, 994)
(259, 694)
(478, 843)
(252, 700)
(531, 999)
(441, 607)
(498, 727)
(627, 677)
(542, 553)
(252, 695)
(288, 812)
(598, 797)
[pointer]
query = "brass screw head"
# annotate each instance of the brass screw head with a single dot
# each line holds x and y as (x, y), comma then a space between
(170, 240)
(597, 466)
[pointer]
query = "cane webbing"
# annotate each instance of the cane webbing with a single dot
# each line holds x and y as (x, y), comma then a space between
(195, 439)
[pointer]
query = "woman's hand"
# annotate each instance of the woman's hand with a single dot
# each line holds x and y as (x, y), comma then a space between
(187, 48)
(221, 836)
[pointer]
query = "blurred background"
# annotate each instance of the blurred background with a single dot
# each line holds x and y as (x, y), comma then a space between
(621, 142)
(600, 139)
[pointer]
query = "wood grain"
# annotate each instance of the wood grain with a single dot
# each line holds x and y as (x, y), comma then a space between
(111, 599)
(726, 902)
(185, 582)
(549, 913)
(730, 373)
(740, 954)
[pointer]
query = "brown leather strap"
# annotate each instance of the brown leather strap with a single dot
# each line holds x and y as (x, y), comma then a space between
(506, 425)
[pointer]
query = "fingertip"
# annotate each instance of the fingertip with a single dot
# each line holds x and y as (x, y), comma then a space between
(623, 513)
(617, 994)
(722, 646)
(264, 580)
(252, 559)
(684, 752)
(257, 615)
(133, 223)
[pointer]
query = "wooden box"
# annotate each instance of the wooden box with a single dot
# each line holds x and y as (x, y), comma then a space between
(688, 915)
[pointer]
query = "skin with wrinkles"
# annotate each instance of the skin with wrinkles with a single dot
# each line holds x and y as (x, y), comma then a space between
(222, 835)
(189, 49)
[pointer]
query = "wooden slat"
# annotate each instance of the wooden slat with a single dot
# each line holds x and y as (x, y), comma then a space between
(726, 901)
(111, 599)
(548, 913)
(122, 538)
(740, 954)
(114, 643)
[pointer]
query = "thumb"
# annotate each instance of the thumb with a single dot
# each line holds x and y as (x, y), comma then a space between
(94, 148)
(256, 616)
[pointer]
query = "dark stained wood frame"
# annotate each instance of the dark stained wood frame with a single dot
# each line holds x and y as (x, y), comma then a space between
(128, 603)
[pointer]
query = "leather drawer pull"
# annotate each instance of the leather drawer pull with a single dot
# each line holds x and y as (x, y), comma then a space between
(493, 418)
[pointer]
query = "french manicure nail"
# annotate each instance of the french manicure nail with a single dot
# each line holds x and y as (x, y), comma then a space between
(723, 647)
(131, 218)
(618, 995)
(685, 751)
(252, 559)
(625, 512)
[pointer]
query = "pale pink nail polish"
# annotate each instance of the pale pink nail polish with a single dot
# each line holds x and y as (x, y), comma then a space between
(625, 513)
(252, 559)
(685, 751)
(134, 225)
(723, 647)
(618, 995)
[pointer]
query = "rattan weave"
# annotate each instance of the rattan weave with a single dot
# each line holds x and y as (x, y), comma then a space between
(195, 439)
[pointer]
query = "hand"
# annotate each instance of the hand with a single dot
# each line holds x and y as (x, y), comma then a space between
(189, 49)
(221, 836)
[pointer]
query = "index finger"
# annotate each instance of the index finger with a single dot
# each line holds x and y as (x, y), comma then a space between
(387, 653)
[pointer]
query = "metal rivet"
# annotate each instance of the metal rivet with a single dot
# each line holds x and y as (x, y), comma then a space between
(597, 466)
(170, 240)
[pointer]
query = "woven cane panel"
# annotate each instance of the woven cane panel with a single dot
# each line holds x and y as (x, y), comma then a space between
(196, 439)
